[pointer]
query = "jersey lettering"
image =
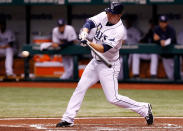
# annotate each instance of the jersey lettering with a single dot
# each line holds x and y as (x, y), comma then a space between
(99, 35)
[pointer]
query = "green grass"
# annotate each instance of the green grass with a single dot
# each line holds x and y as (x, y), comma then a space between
(52, 102)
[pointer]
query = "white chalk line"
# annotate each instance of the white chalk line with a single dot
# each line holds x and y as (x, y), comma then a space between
(103, 126)
(83, 118)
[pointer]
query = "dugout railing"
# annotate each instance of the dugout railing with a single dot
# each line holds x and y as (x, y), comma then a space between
(76, 50)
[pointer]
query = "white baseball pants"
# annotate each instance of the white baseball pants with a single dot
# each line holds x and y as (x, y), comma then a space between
(8, 53)
(68, 67)
(96, 71)
(168, 64)
(136, 63)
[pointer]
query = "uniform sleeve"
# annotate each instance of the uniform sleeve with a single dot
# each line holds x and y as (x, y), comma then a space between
(98, 18)
(55, 38)
(157, 31)
(72, 35)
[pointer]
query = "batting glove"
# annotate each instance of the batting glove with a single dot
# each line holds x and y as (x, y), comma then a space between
(83, 35)
(84, 42)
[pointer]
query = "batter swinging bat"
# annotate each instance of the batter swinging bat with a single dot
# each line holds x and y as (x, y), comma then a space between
(102, 58)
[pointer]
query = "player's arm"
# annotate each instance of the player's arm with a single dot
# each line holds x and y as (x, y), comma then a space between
(9, 41)
(5, 44)
(158, 39)
(86, 28)
(63, 43)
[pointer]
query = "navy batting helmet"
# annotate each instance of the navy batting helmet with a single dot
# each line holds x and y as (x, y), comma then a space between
(115, 8)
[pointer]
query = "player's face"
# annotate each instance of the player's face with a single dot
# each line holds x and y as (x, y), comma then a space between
(113, 18)
(163, 25)
(61, 29)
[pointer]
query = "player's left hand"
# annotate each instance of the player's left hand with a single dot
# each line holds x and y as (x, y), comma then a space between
(83, 35)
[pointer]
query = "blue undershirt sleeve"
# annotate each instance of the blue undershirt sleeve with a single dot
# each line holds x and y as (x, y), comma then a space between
(89, 24)
(106, 47)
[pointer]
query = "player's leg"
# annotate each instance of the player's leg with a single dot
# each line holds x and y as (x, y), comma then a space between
(169, 67)
(135, 64)
(89, 78)
(154, 64)
(9, 61)
(68, 67)
(109, 82)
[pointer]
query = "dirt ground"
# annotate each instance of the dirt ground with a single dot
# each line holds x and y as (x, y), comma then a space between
(93, 123)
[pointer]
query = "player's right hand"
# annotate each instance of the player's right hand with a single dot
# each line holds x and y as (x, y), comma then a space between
(84, 42)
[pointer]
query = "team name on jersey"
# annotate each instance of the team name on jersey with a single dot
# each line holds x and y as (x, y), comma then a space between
(99, 35)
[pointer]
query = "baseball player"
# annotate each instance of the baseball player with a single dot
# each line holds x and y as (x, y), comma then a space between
(108, 39)
(7, 39)
(64, 35)
(165, 35)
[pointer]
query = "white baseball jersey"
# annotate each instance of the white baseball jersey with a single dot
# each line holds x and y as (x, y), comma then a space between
(69, 34)
(6, 37)
(105, 34)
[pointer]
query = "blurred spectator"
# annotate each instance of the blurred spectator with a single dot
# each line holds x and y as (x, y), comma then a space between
(7, 39)
(64, 35)
(148, 38)
(133, 36)
(165, 35)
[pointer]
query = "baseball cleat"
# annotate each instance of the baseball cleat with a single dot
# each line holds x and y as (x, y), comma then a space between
(64, 124)
(149, 117)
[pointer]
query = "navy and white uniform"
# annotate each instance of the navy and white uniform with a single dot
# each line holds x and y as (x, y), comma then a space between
(68, 35)
(97, 71)
(167, 59)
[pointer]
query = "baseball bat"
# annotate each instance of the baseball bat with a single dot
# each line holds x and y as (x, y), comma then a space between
(102, 58)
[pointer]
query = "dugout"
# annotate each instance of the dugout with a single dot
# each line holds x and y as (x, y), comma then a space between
(37, 17)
